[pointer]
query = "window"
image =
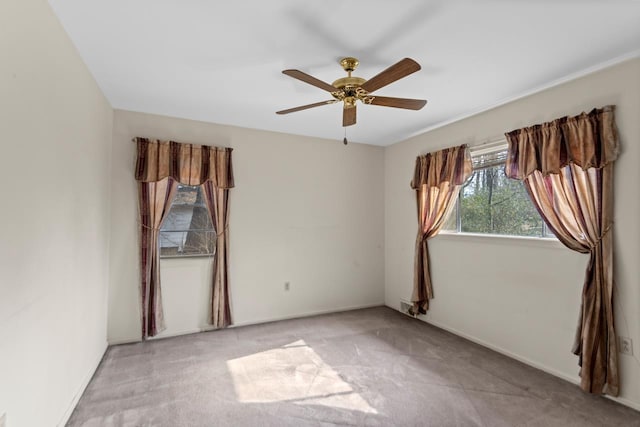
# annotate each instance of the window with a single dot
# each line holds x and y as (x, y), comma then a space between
(491, 203)
(187, 230)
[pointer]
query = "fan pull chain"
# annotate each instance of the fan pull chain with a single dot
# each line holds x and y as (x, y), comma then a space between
(344, 141)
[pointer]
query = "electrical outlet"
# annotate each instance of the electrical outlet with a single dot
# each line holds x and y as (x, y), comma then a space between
(626, 346)
(287, 285)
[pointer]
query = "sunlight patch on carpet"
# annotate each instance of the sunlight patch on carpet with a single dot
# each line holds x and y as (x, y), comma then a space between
(293, 373)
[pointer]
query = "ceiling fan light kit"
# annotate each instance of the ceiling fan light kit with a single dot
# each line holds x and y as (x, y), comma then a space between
(351, 89)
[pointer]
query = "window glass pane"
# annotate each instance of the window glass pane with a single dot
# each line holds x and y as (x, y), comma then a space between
(546, 231)
(187, 230)
(491, 203)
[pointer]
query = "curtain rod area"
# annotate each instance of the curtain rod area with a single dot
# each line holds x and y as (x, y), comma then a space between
(488, 143)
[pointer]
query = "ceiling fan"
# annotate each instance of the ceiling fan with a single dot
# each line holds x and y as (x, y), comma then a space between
(349, 90)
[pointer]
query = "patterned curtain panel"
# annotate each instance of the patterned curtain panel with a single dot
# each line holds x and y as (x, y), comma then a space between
(160, 167)
(154, 199)
(437, 180)
(567, 168)
(217, 200)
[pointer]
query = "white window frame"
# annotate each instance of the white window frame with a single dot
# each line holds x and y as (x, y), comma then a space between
(186, 231)
(486, 149)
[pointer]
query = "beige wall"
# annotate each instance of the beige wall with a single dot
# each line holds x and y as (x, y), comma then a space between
(304, 210)
(332, 220)
(54, 229)
(522, 296)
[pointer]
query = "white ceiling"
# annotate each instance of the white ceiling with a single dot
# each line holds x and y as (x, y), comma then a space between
(221, 62)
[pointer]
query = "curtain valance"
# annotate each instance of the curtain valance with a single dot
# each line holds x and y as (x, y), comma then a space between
(189, 164)
(451, 165)
(588, 140)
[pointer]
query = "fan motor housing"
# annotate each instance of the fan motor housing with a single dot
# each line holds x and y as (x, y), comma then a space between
(341, 83)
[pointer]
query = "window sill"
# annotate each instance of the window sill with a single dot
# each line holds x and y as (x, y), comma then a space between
(550, 242)
(186, 256)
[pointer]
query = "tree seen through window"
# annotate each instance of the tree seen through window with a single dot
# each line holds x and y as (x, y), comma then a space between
(491, 203)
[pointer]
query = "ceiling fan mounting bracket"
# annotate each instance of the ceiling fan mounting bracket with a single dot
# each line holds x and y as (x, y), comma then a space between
(349, 64)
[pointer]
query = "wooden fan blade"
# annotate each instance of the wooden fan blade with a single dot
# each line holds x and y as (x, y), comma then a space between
(297, 74)
(304, 107)
(349, 116)
(406, 103)
(395, 72)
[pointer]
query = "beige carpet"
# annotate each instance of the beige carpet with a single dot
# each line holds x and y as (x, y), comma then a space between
(373, 367)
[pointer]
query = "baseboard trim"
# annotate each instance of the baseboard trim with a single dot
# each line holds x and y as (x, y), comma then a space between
(307, 314)
(123, 341)
(250, 322)
(83, 386)
(574, 380)
(626, 402)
